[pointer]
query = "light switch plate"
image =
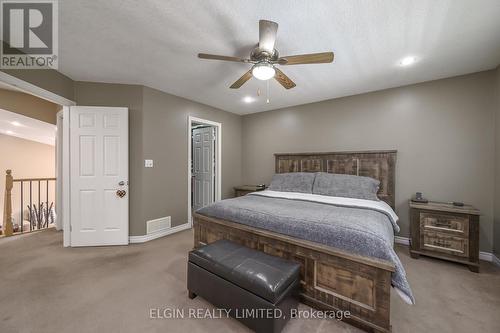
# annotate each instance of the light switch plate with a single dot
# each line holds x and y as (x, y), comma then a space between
(148, 163)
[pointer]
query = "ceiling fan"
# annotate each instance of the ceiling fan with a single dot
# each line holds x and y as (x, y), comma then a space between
(265, 57)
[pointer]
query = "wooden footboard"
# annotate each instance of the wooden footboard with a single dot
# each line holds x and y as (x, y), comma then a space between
(331, 279)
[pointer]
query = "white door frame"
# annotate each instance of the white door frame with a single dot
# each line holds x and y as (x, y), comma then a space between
(65, 163)
(218, 159)
(35, 90)
(59, 170)
(62, 176)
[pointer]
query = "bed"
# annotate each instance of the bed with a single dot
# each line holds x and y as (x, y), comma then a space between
(335, 273)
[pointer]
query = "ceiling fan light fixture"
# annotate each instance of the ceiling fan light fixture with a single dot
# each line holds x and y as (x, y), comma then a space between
(263, 71)
(266, 59)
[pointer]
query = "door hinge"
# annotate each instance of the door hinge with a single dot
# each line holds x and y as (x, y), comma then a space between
(70, 228)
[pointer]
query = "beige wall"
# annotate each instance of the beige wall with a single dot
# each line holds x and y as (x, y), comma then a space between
(165, 141)
(28, 105)
(443, 131)
(158, 130)
(47, 79)
(26, 159)
(497, 166)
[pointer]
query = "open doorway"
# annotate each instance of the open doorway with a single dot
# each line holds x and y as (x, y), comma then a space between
(204, 163)
(89, 189)
(36, 197)
(28, 189)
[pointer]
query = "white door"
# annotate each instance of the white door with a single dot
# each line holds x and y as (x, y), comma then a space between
(99, 176)
(203, 166)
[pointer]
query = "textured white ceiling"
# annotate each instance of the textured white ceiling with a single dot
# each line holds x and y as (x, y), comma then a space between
(155, 43)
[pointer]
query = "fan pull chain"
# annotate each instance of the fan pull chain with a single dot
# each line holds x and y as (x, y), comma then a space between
(267, 99)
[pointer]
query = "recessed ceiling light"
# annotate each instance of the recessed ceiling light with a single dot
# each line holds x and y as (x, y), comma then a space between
(16, 123)
(9, 132)
(248, 99)
(407, 61)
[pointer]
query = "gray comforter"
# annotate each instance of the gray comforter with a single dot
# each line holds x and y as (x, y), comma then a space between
(356, 230)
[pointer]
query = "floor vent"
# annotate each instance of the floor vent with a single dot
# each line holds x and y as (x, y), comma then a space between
(158, 225)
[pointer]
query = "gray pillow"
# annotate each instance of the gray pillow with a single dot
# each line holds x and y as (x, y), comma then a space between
(349, 186)
(301, 182)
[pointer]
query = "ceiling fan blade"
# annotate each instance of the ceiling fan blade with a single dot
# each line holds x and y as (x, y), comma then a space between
(312, 58)
(220, 57)
(267, 35)
(284, 80)
(247, 76)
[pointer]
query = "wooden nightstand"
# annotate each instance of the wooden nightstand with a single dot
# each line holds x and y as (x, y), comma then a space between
(245, 189)
(446, 232)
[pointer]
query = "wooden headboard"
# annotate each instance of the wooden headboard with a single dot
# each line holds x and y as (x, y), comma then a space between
(379, 164)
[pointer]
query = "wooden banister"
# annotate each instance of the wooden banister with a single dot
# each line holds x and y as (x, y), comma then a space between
(32, 179)
(38, 214)
(7, 211)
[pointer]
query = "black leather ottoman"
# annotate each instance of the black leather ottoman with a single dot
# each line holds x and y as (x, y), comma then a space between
(256, 288)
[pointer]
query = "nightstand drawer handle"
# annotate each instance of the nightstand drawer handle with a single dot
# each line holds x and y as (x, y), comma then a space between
(442, 243)
(441, 223)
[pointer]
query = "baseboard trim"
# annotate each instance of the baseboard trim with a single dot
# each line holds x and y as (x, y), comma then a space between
(158, 234)
(485, 256)
(496, 260)
(401, 240)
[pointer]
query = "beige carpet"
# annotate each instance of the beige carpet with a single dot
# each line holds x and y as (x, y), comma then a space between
(47, 288)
